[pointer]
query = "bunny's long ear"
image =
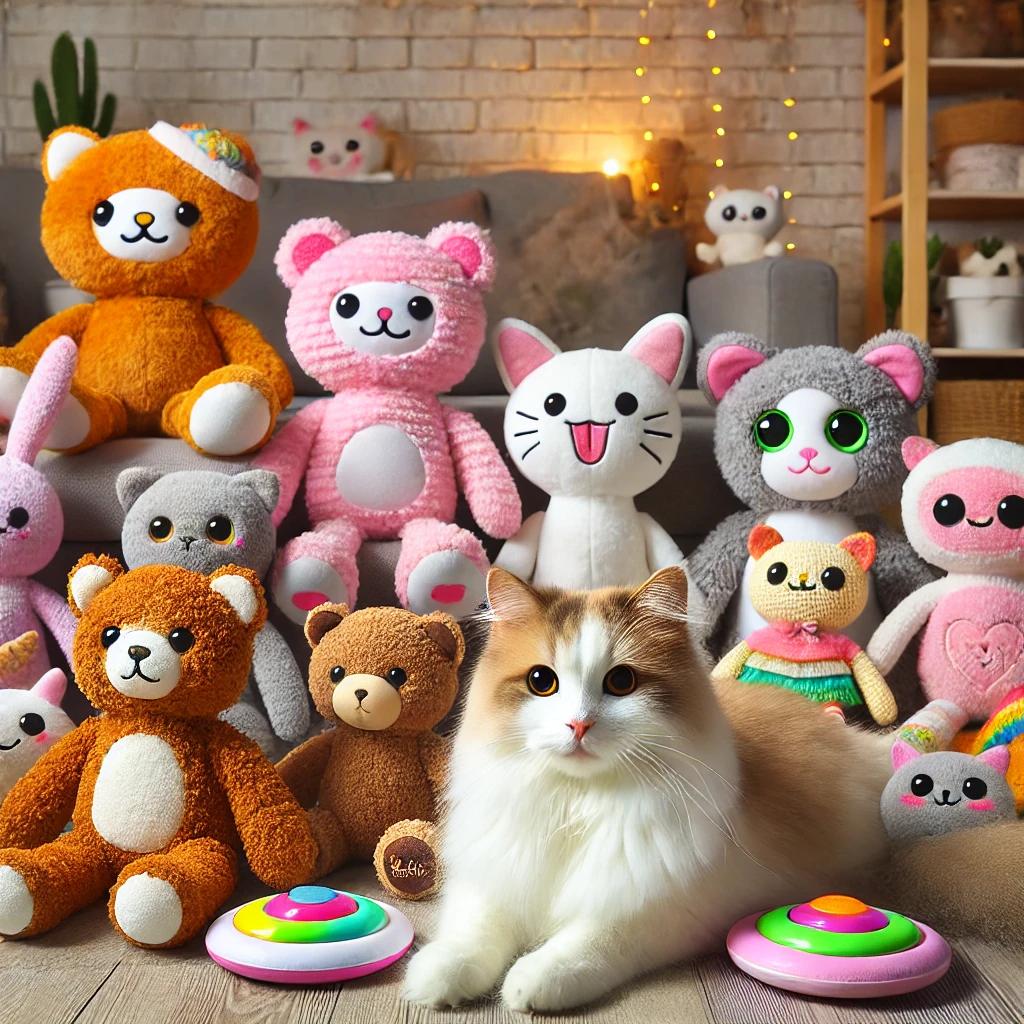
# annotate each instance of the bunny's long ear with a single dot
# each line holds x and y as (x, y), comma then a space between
(42, 399)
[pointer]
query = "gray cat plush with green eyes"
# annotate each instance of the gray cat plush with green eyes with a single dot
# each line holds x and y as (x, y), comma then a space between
(202, 520)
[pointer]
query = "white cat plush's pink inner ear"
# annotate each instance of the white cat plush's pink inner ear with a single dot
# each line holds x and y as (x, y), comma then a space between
(303, 244)
(727, 365)
(664, 345)
(369, 123)
(915, 449)
(51, 687)
(996, 757)
(903, 753)
(300, 125)
(519, 348)
(903, 367)
(772, 191)
(470, 246)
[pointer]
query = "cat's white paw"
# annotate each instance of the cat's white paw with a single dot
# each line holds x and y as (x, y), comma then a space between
(441, 975)
(535, 982)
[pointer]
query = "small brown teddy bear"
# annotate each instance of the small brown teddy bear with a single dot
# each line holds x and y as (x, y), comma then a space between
(385, 677)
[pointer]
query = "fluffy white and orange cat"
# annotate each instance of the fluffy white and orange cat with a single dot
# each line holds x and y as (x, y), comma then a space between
(609, 813)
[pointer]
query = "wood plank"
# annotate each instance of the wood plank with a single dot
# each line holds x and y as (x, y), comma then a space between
(951, 76)
(1002, 967)
(978, 353)
(874, 171)
(943, 204)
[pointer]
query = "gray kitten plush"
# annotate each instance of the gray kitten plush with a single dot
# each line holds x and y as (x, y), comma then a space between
(931, 794)
(809, 438)
(202, 520)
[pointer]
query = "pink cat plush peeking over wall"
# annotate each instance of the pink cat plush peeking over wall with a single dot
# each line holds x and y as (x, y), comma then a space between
(387, 321)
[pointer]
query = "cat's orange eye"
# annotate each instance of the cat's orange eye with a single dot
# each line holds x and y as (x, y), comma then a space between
(541, 681)
(620, 681)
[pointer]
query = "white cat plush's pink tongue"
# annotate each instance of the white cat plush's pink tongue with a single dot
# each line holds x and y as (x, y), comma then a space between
(590, 440)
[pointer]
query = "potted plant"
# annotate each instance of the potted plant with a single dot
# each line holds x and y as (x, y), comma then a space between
(892, 277)
(986, 299)
(74, 103)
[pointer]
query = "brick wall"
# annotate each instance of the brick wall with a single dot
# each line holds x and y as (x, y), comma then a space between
(496, 84)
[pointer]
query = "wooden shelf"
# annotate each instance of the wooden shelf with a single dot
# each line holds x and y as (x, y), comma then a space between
(950, 76)
(945, 205)
(978, 353)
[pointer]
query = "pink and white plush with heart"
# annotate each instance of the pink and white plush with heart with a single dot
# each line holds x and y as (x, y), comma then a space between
(593, 428)
(963, 511)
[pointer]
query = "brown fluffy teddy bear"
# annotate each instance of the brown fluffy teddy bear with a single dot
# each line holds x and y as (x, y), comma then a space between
(154, 223)
(385, 677)
(159, 789)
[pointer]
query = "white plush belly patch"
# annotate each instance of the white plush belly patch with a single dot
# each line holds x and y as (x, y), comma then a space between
(380, 468)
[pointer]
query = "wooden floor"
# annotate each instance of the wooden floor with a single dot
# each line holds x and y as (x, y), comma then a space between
(85, 973)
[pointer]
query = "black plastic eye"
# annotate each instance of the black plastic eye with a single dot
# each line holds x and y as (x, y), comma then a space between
(109, 636)
(541, 681)
(833, 578)
(337, 674)
(759, 213)
(974, 789)
(220, 530)
(921, 785)
(420, 307)
(620, 681)
(32, 724)
(729, 213)
(396, 676)
(773, 430)
(352, 145)
(17, 517)
(187, 214)
(949, 510)
(626, 404)
(554, 404)
(347, 305)
(180, 640)
(316, 147)
(1011, 512)
(102, 213)
(778, 572)
(160, 528)
(847, 431)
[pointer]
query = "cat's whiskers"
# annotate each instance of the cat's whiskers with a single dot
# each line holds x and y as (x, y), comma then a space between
(630, 758)
(683, 753)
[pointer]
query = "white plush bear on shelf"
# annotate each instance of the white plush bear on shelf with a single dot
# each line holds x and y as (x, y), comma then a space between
(744, 222)
(593, 428)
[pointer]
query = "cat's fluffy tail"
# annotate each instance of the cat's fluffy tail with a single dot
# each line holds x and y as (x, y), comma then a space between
(964, 883)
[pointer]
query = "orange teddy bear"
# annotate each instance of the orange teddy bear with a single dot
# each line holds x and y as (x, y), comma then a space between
(158, 788)
(154, 223)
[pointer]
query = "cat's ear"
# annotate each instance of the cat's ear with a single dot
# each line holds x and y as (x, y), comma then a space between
(133, 482)
(663, 595)
(510, 598)
(724, 360)
(263, 482)
(519, 348)
(664, 344)
(903, 753)
(720, 190)
(996, 757)
(772, 191)
(906, 361)
(915, 449)
(862, 546)
(762, 538)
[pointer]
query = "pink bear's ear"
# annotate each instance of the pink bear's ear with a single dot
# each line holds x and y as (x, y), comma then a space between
(734, 356)
(903, 753)
(762, 538)
(303, 244)
(664, 345)
(300, 125)
(915, 449)
(863, 548)
(519, 348)
(470, 246)
(51, 687)
(996, 757)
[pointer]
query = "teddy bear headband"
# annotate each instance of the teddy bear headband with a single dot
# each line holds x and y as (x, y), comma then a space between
(213, 154)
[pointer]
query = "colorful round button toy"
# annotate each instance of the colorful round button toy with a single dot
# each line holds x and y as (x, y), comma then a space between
(838, 946)
(312, 934)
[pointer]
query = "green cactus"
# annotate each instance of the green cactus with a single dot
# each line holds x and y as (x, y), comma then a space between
(73, 106)
(892, 275)
(988, 247)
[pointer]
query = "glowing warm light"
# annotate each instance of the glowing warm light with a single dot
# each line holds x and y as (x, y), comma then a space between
(648, 135)
(655, 186)
(792, 136)
(610, 167)
(711, 195)
(792, 220)
(712, 33)
(644, 40)
(712, 3)
(716, 107)
(645, 100)
(787, 194)
(887, 41)
(791, 246)
(789, 102)
(716, 70)
(719, 162)
(719, 131)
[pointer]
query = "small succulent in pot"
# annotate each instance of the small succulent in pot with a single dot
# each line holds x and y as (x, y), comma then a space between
(991, 257)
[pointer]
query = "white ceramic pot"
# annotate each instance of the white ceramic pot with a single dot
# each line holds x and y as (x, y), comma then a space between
(59, 295)
(986, 312)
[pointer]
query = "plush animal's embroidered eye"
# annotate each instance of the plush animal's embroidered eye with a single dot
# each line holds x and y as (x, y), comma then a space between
(33, 724)
(974, 789)
(316, 147)
(396, 676)
(352, 145)
(109, 636)
(729, 213)
(778, 572)
(773, 430)
(220, 530)
(187, 214)
(541, 681)
(759, 213)
(181, 640)
(161, 529)
(949, 510)
(620, 681)
(626, 404)
(847, 431)
(420, 307)
(554, 404)
(833, 578)
(922, 785)
(347, 305)
(17, 517)
(1011, 512)
(102, 214)
(337, 674)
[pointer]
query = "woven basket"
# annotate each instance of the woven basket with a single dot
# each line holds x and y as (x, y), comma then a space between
(977, 408)
(999, 121)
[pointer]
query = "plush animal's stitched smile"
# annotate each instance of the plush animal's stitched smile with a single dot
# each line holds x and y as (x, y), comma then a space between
(981, 523)
(802, 585)
(144, 234)
(384, 329)
(137, 671)
(589, 440)
(947, 803)
(10, 746)
(808, 466)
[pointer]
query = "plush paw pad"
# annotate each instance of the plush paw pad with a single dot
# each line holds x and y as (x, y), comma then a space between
(305, 583)
(147, 910)
(446, 581)
(439, 976)
(229, 419)
(16, 903)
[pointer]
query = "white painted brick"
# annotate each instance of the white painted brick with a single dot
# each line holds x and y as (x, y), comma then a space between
(444, 21)
(827, 51)
(339, 54)
(567, 20)
(375, 19)
(440, 115)
(441, 53)
(587, 53)
(502, 52)
(277, 115)
(544, 83)
(381, 53)
(411, 83)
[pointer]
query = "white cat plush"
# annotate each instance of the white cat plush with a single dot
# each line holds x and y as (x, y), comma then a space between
(593, 428)
(744, 222)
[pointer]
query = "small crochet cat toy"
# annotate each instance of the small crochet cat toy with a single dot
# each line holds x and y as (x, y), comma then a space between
(744, 222)
(808, 591)
(363, 151)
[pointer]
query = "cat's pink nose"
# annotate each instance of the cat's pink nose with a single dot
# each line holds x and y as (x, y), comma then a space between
(810, 454)
(384, 313)
(579, 728)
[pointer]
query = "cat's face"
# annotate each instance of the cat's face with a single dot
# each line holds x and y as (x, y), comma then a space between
(593, 421)
(930, 794)
(345, 151)
(31, 721)
(589, 683)
(744, 211)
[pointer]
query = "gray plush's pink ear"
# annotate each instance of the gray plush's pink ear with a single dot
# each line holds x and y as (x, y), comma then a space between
(902, 358)
(730, 357)
(903, 753)
(42, 399)
(519, 348)
(996, 757)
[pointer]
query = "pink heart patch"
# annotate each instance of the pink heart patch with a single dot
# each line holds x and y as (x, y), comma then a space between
(984, 656)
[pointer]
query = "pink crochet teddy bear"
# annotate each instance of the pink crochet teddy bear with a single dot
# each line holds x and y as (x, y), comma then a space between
(387, 321)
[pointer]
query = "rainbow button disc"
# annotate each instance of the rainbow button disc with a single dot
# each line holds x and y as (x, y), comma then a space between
(311, 934)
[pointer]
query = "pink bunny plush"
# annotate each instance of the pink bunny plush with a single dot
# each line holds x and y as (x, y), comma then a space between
(387, 321)
(31, 518)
